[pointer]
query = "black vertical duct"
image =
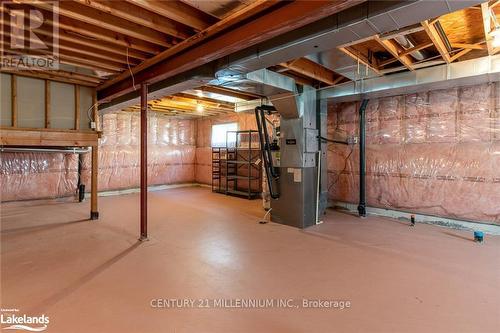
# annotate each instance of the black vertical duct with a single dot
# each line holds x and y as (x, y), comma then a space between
(362, 159)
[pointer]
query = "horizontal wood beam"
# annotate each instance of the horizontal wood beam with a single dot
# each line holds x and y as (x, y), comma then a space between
(205, 99)
(47, 137)
(252, 9)
(139, 15)
(178, 11)
(102, 20)
(469, 46)
(57, 75)
(229, 92)
(288, 17)
(312, 70)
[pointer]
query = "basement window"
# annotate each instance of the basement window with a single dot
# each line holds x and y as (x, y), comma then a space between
(219, 132)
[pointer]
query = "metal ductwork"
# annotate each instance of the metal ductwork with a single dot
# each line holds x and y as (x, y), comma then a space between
(464, 73)
(319, 41)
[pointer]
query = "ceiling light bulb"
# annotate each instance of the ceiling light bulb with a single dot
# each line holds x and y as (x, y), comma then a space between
(199, 107)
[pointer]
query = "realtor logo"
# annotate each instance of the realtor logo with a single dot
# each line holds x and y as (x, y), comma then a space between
(30, 35)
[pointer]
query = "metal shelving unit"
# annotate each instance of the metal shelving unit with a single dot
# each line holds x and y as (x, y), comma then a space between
(237, 170)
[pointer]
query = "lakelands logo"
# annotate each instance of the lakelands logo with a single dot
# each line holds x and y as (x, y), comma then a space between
(14, 321)
(30, 35)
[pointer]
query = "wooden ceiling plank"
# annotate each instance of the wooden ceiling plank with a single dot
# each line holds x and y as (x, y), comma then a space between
(229, 92)
(485, 12)
(101, 20)
(88, 51)
(460, 54)
(206, 99)
(57, 75)
(178, 11)
(478, 46)
(254, 8)
(78, 31)
(312, 70)
(436, 40)
(139, 15)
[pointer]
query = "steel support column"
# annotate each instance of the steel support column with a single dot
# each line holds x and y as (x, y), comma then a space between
(362, 159)
(144, 162)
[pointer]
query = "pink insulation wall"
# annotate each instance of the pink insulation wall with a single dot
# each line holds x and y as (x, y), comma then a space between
(246, 121)
(171, 158)
(435, 153)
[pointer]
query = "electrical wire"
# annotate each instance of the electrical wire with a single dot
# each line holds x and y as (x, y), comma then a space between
(130, 70)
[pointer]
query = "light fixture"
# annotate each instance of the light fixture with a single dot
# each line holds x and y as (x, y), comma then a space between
(199, 107)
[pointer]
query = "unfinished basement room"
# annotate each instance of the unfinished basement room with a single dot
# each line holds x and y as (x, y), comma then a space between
(243, 166)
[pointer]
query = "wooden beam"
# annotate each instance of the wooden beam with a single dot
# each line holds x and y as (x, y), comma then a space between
(459, 54)
(288, 17)
(477, 46)
(178, 11)
(436, 40)
(254, 8)
(104, 20)
(205, 99)
(230, 92)
(395, 49)
(359, 57)
(485, 12)
(139, 15)
(402, 32)
(84, 50)
(47, 104)
(13, 99)
(312, 70)
(47, 137)
(57, 75)
(85, 33)
(73, 58)
(77, 106)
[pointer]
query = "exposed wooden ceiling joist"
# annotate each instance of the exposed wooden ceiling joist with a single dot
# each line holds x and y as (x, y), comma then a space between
(79, 12)
(205, 99)
(485, 12)
(57, 75)
(395, 49)
(312, 70)
(178, 11)
(431, 31)
(230, 92)
(286, 18)
(256, 7)
(141, 16)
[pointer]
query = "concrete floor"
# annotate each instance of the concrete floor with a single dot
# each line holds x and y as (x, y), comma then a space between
(95, 277)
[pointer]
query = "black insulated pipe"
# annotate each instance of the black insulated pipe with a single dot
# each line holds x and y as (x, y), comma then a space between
(362, 159)
(271, 174)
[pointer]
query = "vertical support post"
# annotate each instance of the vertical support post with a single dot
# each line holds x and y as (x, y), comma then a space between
(94, 214)
(144, 163)
(13, 87)
(47, 104)
(77, 107)
(362, 159)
